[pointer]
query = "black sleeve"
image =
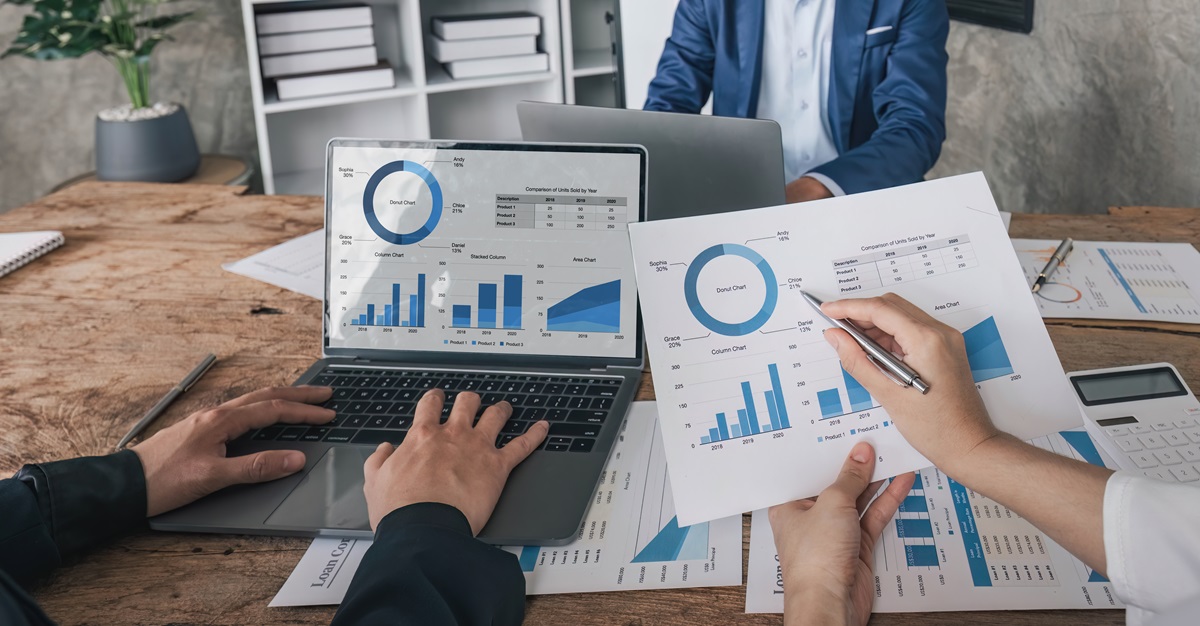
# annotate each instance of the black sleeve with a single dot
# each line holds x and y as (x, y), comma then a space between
(426, 568)
(54, 511)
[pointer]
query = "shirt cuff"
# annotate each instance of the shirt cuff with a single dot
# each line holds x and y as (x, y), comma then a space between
(833, 187)
(433, 514)
(90, 500)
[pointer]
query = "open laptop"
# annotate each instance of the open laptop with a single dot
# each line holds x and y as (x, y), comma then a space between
(700, 164)
(503, 269)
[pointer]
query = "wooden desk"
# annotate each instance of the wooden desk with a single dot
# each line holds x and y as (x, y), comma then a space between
(92, 335)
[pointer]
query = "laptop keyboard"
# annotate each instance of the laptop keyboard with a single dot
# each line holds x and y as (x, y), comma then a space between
(374, 406)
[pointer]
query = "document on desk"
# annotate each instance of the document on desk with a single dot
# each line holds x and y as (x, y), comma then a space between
(1117, 281)
(630, 539)
(755, 407)
(323, 574)
(297, 265)
(951, 549)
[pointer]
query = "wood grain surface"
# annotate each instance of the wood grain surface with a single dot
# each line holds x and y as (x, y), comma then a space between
(94, 333)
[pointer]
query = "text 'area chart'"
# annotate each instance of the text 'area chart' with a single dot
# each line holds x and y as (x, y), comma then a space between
(476, 250)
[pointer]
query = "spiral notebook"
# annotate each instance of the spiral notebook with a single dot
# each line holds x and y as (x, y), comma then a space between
(17, 249)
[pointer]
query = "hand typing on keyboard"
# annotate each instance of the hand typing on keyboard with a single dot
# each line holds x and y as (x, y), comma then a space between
(456, 463)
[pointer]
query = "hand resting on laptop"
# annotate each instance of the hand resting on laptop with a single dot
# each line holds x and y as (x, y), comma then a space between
(187, 461)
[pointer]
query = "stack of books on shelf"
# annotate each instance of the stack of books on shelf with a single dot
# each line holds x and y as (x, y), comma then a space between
(476, 46)
(321, 52)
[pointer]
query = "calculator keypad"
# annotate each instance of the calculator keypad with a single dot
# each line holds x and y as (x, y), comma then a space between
(1163, 449)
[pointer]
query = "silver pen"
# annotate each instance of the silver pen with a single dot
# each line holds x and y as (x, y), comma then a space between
(166, 400)
(892, 366)
(1059, 256)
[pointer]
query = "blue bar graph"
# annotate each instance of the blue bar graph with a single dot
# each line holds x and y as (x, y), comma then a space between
(859, 399)
(831, 403)
(749, 420)
(772, 409)
(705, 439)
(487, 305)
(914, 504)
(490, 312)
(722, 427)
(512, 301)
(921, 556)
(914, 528)
(389, 312)
(777, 392)
(460, 315)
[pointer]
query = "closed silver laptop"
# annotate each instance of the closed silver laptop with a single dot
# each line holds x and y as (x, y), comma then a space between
(699, 164)
(498, 268)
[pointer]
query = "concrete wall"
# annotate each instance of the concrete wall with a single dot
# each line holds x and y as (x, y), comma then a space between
(1100, 106)
(48, 109)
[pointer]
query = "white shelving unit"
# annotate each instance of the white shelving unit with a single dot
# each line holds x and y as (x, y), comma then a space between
(426, 103)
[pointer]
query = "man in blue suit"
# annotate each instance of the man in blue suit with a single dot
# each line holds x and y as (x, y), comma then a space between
(857, 86)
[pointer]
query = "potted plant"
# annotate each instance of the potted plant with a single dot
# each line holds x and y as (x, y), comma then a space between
(137, 141)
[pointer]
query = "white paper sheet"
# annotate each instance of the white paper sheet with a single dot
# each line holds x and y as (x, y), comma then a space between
(1007, 217)
(1117, 281)
(728, 333)
(629, 540)
(951, 549)
(297, 265)
(323, 574)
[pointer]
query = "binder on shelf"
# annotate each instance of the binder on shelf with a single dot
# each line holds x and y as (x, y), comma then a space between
(380, 76)
(312, 62)
(313, 19)
(481, 26)
(444, 51)
(313, 41)
(498, 66)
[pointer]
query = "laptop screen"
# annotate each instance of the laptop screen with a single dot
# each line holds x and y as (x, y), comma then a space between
(482, 249)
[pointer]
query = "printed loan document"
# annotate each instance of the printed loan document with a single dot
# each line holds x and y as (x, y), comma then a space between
(755, 407)
(951, 549)
(1117, 281)
(630, 538)
(297, 265)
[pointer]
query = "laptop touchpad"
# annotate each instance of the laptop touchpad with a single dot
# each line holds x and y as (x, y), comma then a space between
(330, 495)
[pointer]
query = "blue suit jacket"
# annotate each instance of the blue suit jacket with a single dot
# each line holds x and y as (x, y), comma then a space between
(887, 98)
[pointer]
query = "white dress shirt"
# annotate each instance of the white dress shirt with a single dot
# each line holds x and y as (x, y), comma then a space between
(1152, 545)
(796, 54)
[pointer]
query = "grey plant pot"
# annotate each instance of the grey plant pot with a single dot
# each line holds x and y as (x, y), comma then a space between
(161, 150)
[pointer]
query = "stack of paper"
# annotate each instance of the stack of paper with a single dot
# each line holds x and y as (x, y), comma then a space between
(475, 46)
(631, 522)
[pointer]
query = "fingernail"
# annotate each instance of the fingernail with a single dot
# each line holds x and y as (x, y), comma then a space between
(861, 452)
(830, 338)
(293, 462)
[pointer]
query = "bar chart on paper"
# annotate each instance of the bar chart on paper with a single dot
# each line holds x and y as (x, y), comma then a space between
(951, 549)
(748, 421)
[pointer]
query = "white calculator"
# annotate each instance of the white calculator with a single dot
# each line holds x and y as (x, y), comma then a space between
(1145, 417)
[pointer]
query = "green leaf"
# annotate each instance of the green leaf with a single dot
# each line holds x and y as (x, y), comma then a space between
(163, 22)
